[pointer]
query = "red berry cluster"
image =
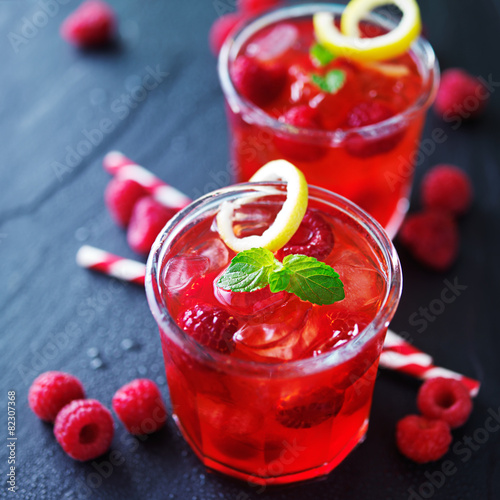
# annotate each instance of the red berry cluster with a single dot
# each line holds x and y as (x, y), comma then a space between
(432, 235)
(445, 404)
(223, 25)
(84, 427)
(92, 24)
(132, 207)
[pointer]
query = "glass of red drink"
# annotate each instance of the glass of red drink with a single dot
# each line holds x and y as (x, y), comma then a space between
(287, 396)
(361, 141)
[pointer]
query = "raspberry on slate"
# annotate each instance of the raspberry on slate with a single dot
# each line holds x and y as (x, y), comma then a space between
(432, 238)
(84, 429)
(422, 439)
(259, 83)
(256, 6)
(210, 326)
(51, 391)
(304, 411)
(221, 28)
(447, 187)
(369, 113)
(446, 399)
(120, 197)
(460, 95)
(140, 407)
(90, 25)
(313, 238)
(303, 117)
(147, 220)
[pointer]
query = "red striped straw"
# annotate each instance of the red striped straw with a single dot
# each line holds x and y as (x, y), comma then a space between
(397, 354)
(118, 164)
(107, 263)
(400, 356)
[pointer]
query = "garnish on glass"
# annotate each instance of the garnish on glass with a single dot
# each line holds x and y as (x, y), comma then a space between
(308, 278)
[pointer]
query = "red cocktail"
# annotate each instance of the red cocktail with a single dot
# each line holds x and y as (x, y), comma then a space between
(355, 132)
(268, 387)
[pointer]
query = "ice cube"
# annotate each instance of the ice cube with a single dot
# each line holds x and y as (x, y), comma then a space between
(364, 284)
(279, 337)
(182, 270)
(250, 303)
(273, 44)
(214, 251)
(253, 219)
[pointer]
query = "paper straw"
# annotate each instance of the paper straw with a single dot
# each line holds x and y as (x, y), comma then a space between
(118, 164)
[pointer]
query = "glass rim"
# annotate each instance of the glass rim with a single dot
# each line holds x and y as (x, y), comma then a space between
(240, 104)
(309, 365)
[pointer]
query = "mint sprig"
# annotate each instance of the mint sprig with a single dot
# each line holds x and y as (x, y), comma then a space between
(332, 82)
(308, 278)
(321, 54)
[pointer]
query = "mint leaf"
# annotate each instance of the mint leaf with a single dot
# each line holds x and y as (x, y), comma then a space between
(248, 271)
(306, 277)
(279, 280)
(313, 280)
(332, 82)
(321, 54)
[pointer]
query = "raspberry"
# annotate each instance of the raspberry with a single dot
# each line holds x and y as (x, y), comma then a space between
(257, 82)
(369, 113)
(84, 429)
(221, 28)
(308, 410)
(51, 391)
(422, 439)
(140, 407)
(303, 117)
(120, 197)
(432, 238)
(147, 220)
(446, 399)
(211, 327)
(313, 238)
(256, 6)
(460, 95)
(92, 24)
(448, 188)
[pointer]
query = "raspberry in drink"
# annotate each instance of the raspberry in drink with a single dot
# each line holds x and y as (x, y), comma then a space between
(265, 386)
(352, 127)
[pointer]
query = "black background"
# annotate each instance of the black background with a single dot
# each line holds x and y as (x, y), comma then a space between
(52, 312)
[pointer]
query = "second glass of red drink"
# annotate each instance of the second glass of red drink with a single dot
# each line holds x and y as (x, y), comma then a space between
(352, 127)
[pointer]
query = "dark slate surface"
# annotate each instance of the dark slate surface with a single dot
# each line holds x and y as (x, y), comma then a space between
(52, 312)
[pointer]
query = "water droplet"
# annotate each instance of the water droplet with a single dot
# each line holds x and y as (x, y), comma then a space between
(82, 234)
(96, 363)
(92, 352)
(127, 344)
